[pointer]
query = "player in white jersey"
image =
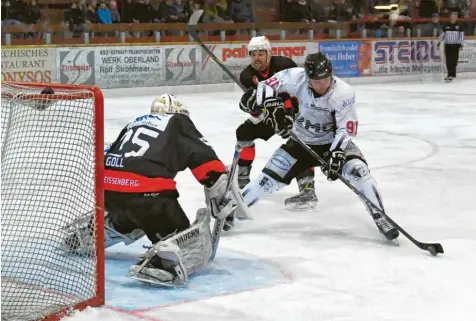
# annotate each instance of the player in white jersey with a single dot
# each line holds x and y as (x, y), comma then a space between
(327, 122)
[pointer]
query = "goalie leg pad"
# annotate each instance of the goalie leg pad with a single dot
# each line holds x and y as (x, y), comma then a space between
(170, 261)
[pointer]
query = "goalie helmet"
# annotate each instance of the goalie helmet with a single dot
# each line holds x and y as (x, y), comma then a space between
(168, 104)
(317, 66)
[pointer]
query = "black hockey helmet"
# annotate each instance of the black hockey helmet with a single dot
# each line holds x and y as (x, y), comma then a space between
(318, 66)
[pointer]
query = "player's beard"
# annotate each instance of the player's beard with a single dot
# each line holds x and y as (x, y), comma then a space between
(261, 66)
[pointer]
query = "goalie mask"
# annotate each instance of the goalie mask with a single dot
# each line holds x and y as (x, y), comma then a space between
(260, 44)
(168, 104)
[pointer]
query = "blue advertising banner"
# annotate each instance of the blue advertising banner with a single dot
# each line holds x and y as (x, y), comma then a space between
(346, 57)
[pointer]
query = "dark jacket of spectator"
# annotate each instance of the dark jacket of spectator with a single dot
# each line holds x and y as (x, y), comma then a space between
(296, 12)
(170, 13)
(426, 8)
(318, 11)
(33, 12)
(128, 11)
(241, 11)
(341, 12)
(14, 10)
(91, 14)
(74, 15)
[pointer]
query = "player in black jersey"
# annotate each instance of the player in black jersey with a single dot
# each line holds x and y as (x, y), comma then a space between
(141, 196)
(263, 66)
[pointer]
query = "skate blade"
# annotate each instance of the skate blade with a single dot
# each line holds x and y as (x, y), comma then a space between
(309, 206)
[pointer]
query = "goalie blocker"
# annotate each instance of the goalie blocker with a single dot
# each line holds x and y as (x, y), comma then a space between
(141, 196)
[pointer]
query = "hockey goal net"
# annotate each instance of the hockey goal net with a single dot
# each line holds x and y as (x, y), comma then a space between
(52, 177)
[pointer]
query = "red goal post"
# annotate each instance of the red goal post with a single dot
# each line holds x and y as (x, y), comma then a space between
(52, 178)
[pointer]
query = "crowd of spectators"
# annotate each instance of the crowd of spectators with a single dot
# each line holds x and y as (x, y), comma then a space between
(378, 22)
(79, 13)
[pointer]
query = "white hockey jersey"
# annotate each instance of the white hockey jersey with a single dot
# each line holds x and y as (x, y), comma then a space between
(328, 119)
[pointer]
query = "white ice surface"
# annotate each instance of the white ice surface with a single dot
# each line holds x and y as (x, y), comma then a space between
(420, 142)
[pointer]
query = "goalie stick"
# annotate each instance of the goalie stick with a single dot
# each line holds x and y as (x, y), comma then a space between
(218, 226)
(433, 248)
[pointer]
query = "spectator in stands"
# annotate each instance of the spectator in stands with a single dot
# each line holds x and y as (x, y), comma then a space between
(128, 11)
(342, 12)
(104, 14)
(297, 11)
(33, 12)
(318, 12)
(216, 12)
(170, 11)
(460, 6)
(91, 14)
(115, 16)
(13, 13)
(376, 26)
(145, 12)
(241, 11)
(400, 19)
(433, 28)
(74, 19)
(426, 8)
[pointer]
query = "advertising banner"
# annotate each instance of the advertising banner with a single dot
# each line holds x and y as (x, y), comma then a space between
(236, 58)
(404, 57)
(349, 58)
(135, 66)
(182, 64)
(111, 67)
(76, 65)
(29, 64)
(467, 57)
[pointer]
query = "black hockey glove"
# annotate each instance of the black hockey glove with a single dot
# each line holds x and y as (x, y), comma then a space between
(248, 101)
(280, 119)
(335, 161)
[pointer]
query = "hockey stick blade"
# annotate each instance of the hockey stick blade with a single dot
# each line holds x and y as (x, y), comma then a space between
(194, 18)
(433, 248)
(192, 30)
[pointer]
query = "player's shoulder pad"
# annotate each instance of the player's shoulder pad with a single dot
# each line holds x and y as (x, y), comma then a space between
(343, 94)
(246, 77)
(283, 62)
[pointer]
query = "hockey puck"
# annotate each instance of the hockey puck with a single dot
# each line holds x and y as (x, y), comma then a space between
(432, 250)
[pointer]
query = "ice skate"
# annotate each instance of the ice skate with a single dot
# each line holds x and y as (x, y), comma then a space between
(243, 176)
(306, 199)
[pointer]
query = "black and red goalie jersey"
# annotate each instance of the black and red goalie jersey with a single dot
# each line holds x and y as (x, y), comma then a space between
(152, 149)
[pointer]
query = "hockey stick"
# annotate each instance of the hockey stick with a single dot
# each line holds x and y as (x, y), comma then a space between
(433, 248)
(219, 223)
(192, 30)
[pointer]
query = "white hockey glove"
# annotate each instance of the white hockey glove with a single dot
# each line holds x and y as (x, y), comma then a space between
(280, 120)
(218, 200)
(335, 161)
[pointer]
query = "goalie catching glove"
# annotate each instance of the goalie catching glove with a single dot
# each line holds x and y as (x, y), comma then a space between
(218, 198)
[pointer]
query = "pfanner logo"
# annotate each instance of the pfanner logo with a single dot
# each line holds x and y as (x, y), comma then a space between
(406, 51)
(242, 52)
(77, 67)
